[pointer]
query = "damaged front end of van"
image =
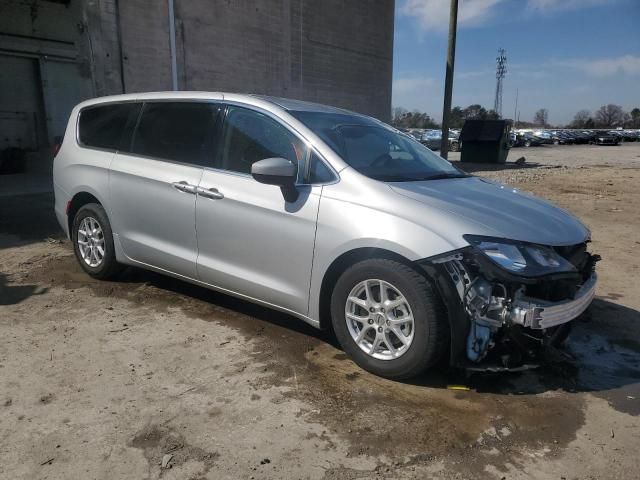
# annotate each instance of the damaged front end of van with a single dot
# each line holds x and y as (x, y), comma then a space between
(511, 303)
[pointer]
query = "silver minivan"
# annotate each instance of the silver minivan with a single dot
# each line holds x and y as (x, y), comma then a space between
(331, 216)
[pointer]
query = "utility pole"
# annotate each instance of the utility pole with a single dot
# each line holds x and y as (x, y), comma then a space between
(515, 110)
(448, 81)
(172, 46)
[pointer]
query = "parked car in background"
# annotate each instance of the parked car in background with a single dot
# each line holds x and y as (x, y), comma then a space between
(603, 138)
(432, 139)
(412, 258)
(632, 135)
(526, 139)
(624, 135)
(415, 134)
(559, 137)
(543, 136)
(571, 136)
(454, 140)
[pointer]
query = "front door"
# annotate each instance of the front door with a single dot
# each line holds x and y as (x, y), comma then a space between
(153, 184)
(251, 241)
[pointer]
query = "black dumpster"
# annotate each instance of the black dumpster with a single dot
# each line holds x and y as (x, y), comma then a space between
(485, 141)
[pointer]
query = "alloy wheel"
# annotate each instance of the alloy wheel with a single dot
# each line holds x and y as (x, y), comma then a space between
(91, 242)
(379, 319)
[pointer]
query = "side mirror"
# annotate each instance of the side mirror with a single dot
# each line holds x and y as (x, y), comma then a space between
(274, 171)
(277, 171)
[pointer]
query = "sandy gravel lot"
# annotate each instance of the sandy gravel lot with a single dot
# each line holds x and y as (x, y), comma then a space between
(102, 380)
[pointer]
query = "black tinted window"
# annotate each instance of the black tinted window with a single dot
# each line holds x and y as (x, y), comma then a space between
(318, 171)
(102, 126)
(180, 131)
(250, 136)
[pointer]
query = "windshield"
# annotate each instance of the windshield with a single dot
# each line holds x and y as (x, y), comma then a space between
(375, 150)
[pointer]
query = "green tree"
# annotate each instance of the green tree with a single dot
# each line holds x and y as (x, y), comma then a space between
(635, 117)
(541, 117)
(580, 119)
(456, 119)
(402, 118)
(397, 114)
(609, 116)
(475, 112)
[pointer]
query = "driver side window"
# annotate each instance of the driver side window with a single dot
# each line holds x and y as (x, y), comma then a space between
(250, 136)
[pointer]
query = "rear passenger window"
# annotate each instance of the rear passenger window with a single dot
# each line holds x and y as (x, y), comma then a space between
(102, 126)
(178, 131)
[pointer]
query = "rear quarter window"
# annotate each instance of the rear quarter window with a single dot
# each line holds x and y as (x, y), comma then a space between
(102, 126)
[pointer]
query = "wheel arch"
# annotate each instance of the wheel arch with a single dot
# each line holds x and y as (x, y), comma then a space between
(79, 200)
(340, 265)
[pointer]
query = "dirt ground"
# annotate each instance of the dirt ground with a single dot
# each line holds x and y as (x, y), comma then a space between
(104, 380)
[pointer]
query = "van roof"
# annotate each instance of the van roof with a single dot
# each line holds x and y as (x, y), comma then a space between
(302, 105)
(251, 99)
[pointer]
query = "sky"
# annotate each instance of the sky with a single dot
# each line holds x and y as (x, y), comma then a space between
(562, 55)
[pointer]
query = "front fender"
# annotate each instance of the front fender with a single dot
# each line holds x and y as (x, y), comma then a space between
(344, 226)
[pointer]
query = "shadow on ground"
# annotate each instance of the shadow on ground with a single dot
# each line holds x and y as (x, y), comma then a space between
(26, 219)
(13, 294)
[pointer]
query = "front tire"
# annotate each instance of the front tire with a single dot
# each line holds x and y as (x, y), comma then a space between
(389, 319)
(93, 242)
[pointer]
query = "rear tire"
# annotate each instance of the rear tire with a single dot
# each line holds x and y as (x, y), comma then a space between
(424, 339)
(93, 242)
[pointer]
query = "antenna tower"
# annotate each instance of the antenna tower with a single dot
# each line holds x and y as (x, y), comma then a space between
(501, 70)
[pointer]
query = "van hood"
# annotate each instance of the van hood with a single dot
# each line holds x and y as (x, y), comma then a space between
(498, 210)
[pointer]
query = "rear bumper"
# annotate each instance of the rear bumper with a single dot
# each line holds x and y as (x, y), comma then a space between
(538, 314)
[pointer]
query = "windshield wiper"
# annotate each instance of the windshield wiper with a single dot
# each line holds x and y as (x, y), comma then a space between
(440, 176)
(402, 178)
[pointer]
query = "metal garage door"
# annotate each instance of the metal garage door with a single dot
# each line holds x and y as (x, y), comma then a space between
(21, 111)
(63, 88)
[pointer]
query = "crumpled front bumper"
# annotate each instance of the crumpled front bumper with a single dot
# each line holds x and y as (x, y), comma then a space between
(501, 320)
(539, 314)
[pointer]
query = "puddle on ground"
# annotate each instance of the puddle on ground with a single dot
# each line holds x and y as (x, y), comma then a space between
(378, 416)
(608, 369)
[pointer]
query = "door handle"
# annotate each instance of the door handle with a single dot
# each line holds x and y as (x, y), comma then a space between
(184, 187)
(212, 193)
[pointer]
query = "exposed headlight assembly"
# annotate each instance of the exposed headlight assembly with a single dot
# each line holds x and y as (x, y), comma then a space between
(524, 259)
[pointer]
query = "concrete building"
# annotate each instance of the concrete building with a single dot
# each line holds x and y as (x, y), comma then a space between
(55, 53)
